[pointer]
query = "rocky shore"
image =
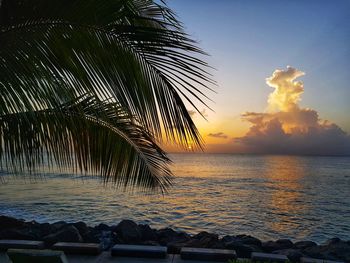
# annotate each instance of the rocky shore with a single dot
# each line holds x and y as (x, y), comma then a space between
(128, 232)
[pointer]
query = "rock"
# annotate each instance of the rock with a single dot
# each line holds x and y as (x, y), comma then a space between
(332, 241)
(293, 255)
(128, 231)
(16, 234)
(106, 240)
(57, 226)
(81, 226)
(177, 241)
(92, 236)
(167, 235)
(304, 244)
(150, 243)
(228, 239)
(205, 240)
(103, 227)
(242, 250)
(286, 243)
(66, 234)
(280, 244)
(147, 233)
(45, 229)
(9, 222)
(249, 240)
(339, 249)
(335, 250)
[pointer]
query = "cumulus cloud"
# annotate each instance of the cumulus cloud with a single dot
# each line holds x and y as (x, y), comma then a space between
(289, 129)
(220, 135)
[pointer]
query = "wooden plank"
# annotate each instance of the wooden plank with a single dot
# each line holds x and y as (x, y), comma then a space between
(139, 251)
(207, 254)
(36, 256)
(315, 260)
(267, 257)
(78, 248)
(25, 244)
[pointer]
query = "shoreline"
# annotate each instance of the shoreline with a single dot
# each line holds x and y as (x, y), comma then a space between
(129, 232)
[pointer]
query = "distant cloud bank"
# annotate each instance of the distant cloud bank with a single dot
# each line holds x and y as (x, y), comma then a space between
(286, 128)
(220, 135)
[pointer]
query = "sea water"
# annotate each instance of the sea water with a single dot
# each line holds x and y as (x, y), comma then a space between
(267, 196)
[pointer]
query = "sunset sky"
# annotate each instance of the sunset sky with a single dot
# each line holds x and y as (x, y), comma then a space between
(248, 41)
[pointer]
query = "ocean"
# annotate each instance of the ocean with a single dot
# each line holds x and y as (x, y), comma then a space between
(266, 196)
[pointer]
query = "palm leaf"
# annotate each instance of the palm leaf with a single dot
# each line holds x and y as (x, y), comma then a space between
(165, 73)
(105, 141)
(133, 53)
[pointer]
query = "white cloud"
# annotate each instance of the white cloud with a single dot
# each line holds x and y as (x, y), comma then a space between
(286, 128)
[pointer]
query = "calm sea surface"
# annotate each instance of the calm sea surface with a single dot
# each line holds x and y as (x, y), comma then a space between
(268, 197)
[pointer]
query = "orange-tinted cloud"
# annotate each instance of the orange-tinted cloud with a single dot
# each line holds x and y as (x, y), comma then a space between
(286, 128)
(219, 135)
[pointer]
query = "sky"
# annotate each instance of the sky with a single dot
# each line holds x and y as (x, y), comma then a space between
(249, 42)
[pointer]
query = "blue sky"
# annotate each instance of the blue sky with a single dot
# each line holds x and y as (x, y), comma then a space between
(248, 40)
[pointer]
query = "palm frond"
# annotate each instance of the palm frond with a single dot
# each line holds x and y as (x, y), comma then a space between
(134, 60)
(158, 73)
(105, 141)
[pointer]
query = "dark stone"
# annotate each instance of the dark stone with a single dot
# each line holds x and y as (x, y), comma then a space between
(177, 242)
(293, 255)
(66, 234)
(332, 241)
(304, 244)
(249, 240)
(168, 235)
(286, 243)
(242, 250)
(9, 222)
(147, 233)
(16, 235)
(150, 243)
(280, 244)
(103, 227)
(81, 226)
(336, 250)
(106, 240)
(203, 240)
(58, 226)
(340, 249)
(45, 229)
(175, 247)
(228, 239)
(128, 231)
(91, 237)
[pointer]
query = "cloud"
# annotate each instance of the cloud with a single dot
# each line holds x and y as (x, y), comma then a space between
(287, 91)
(220, 135)
(194, 112)
(288, 129)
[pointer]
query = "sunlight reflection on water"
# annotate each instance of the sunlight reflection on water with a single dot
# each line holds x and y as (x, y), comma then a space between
(265, 196)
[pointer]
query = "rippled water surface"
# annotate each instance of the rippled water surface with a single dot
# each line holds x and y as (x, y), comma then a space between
(266, 196)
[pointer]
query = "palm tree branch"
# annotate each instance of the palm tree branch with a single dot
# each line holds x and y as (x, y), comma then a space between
(105, 140)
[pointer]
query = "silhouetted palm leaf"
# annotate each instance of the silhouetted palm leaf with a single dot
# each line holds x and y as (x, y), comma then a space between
(104, 141)
(134, 52)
